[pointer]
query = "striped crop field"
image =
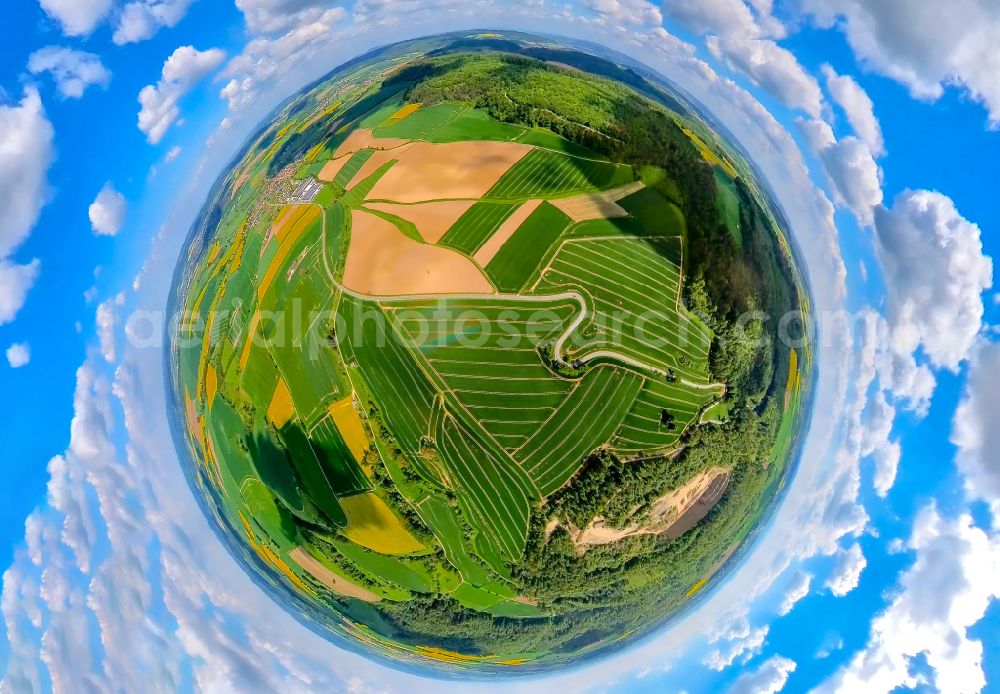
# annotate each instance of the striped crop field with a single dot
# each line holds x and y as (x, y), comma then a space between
(586, 418)
(544, 173)
(516, 261)
(493, 490)
(404, 394)
(643, 431)
(477, 225)
(490, 364)
(636, 293)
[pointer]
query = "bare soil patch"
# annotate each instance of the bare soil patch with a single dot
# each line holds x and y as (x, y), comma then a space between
(454, 170)
(383, 261)
(362, 138)
(330, 579)
(604, 205)
(378, 159)
(494, 243)
(670, 516)
(432, 219)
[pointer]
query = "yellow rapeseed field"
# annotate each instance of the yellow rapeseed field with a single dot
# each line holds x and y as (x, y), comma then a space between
(281, 408)
(371, 524)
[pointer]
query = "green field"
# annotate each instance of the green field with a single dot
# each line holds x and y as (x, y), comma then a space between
(545, 173)
(478, 224)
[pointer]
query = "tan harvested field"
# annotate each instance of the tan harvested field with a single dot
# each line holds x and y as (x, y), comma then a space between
(383, 261)
(454, 170)
(362, 139)
(494, 243)
(378, 159)
(330, 579)
(432, 219)
(670, 516)
(583, 208)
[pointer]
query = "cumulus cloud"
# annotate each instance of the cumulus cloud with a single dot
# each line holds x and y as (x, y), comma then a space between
(171, 155)
(15, 283)
(264, 61)
(18, 355)
(939, 598)
(107, 319)
(796, 590)
(72, 70)
(277, 16)
(976, 429)
(962, 53)
(139, 20)
(770, 678)
(773, 68)
(726, 17)
(935, 274)
(107, 212)
(26, 152)
(846, 573)
(741, 643)
(185, 67)
(850, 167)
(858, 108)
(77, 17)
(626, 12)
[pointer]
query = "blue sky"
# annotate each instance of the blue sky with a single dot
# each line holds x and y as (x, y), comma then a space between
(880, 568)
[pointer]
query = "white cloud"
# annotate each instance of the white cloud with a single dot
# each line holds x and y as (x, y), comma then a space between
(976, 429)
(18, 355)
(264, 61)
(935, 274)
(770, 678)
(945, 592)
(77, 17)
(15, 283)
(846, 573)
(858, 108)
(181, 71)
(962, 53)
(277, 16)
(626, 12)
(742, 643)
(72, 70)
(107, 319)
(139, 20)
(725, 17)
(107, 212)
(174, 152)
(796, 590)
(877, 422)
(850, 166)
(773, 68)
(26, 153)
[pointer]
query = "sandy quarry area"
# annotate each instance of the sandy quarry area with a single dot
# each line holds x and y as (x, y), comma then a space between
(330, 579)
(432, 219)
(454, 170)
(383, 261)
(604, 205)
(663, 515)
(494, 243)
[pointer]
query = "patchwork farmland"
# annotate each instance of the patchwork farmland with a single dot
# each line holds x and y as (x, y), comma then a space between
(402, 388)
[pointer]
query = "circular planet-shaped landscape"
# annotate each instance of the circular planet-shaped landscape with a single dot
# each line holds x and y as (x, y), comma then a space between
(476, 359)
